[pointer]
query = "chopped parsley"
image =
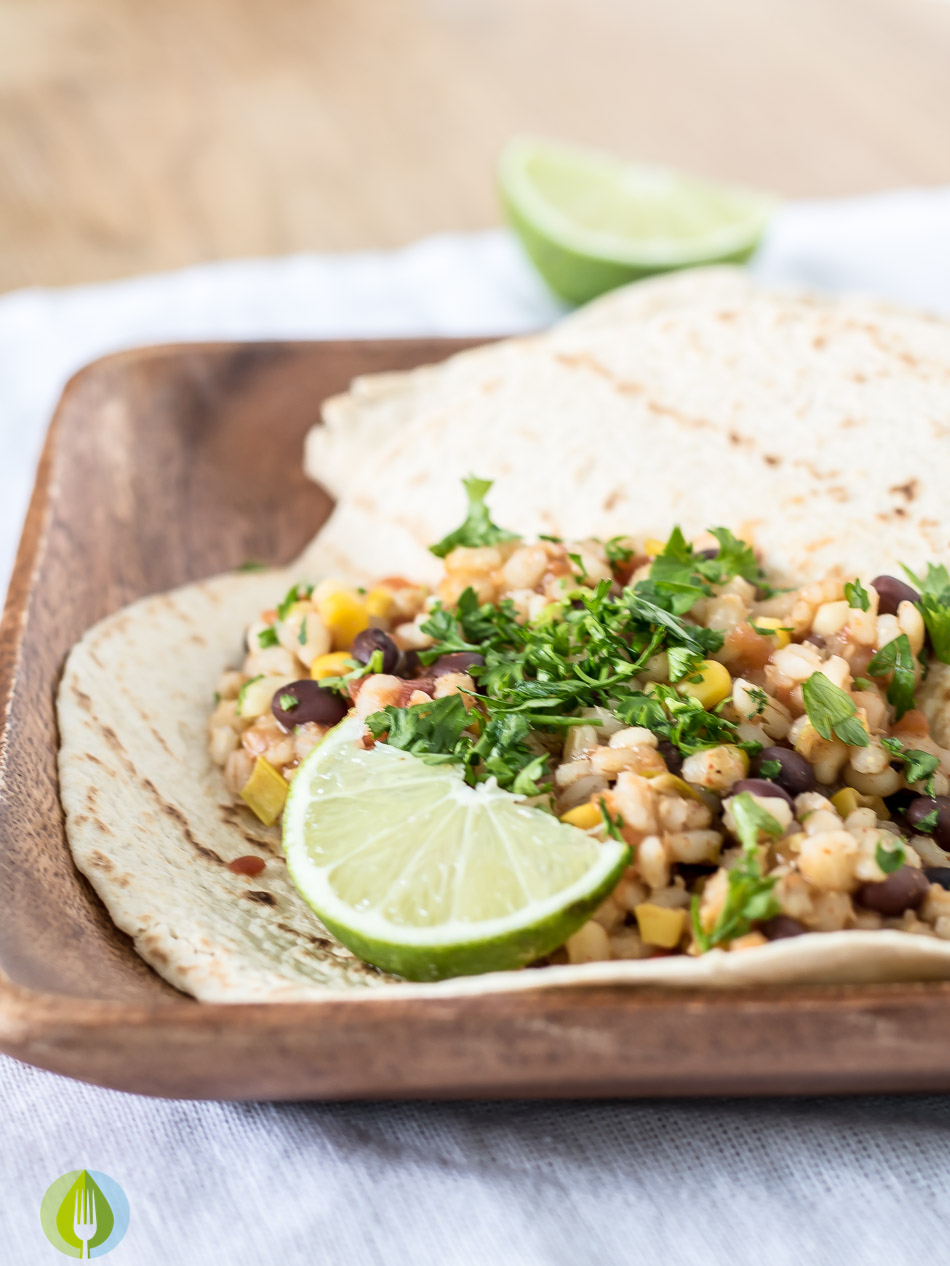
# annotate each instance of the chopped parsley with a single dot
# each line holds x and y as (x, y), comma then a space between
(244, 689)
(267, 637)
(857, 596)
(890, 854)
(761, 701)
(927, 824)
(897, 658)
(934, 606)
(295, 593)
(288, 702)
(749, 898)
(617, 552)
(251, 564)
(918, 766)
(302, 635)
(578, 562)
(612, 824)
(478, 528)
(831, 711)
(770, 768)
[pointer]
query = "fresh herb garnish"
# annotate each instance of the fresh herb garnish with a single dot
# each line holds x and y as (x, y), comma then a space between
(612, 824)
(862, 683)
(890, 854)
(478, 528)
(581, 573)
(770, 768)
(296, 593)
(934, 606)
(616, 552)
(749, 898)
(918, 765)
(267, 637)
(251, 564)
(857, 596)
(896, 657)
(244, 689)
(302, 635)
(831, 711)
(927, 824)
(761, 701)
(288, 701)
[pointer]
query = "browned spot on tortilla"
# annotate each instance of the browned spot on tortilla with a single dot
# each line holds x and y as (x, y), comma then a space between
(110, 736)
(95, 658)
(82, 698)
(101, 826)
(584, 470)
(143, 715)
(101, 861)
(850, 422)
(814, 471)
(91, 756)
(839, 493)
(816, 545)
(726, 315)
(615, 495)
(197, 639)
(490, 386)
(232, 816)
(697, 424)
(818, 342)
(900, 512)
(172, 811)
(584, 360)
(307, 936)
(262, 898)
(908, 490)
(857, 376)
(771, 459)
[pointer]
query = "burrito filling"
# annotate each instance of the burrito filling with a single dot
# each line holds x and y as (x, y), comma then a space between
(764, 752)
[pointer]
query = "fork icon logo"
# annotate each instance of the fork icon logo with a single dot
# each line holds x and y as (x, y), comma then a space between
(84, 1214)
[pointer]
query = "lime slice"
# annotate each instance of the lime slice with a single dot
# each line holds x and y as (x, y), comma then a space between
(426, 877)
(590, 222)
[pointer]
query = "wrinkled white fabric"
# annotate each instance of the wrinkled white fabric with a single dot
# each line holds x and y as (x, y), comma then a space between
(771, 1183)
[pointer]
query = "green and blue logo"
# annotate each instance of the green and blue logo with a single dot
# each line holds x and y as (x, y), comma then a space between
(85, 1214)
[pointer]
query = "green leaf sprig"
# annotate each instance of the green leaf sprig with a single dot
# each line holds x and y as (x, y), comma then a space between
(832, 711)
(897, 658)
(478, 528)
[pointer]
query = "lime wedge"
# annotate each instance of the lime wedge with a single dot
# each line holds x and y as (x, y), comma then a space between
(591, 222)
(426, 877)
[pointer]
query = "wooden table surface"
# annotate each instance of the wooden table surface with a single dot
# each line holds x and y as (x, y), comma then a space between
(137, 136)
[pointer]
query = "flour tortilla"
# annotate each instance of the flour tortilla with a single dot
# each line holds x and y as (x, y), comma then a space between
(622, 419)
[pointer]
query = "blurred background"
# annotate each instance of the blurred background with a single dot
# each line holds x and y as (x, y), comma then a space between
(138, 136)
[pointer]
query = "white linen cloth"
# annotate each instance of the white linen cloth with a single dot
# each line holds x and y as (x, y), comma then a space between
(775, 1183)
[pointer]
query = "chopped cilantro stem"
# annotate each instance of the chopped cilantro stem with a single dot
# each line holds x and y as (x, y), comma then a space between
(478, 528)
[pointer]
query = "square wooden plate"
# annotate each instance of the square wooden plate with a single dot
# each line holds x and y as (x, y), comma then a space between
(169, 464)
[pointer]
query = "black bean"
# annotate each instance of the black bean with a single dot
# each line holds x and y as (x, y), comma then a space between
(891, 592)
(313, 702)
(904, 890)
(457, 662)
(367, 643)
(794, 774)
(781, 926)
(409, 664)
(814, 639)
(938, 875)
(761, 787)
(671, 754)
(922, 807)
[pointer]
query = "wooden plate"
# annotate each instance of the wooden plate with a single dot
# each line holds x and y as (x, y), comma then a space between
(170, 464)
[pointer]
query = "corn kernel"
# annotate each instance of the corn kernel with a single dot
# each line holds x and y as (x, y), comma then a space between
(672, 782)
(710, 683)
(652, 547)
(265, 791)
(660, 925)
(584, 816)
(846, 801)
(335, 664)
(380, 602)
(781, 636)
(344, 614)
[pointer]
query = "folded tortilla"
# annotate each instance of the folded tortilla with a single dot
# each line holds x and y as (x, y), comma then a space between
(817, 427)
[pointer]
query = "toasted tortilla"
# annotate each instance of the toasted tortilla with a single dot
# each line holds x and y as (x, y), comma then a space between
(818, 427)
